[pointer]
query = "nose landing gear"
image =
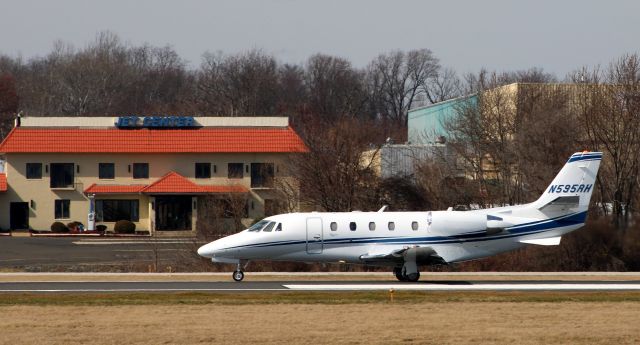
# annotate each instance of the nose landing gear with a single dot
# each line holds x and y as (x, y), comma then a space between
(238, 275)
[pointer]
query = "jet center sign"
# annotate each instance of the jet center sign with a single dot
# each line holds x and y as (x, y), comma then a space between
(155, 121)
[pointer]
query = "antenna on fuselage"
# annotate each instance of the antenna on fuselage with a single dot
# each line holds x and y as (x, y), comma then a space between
(383, 208)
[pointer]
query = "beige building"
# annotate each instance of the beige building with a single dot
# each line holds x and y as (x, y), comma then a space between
(152, 171)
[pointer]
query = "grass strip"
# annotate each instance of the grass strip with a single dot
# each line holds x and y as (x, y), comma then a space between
(333, 298)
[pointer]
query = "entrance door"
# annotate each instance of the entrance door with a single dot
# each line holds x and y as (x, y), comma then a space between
(173, 212)
(19, 215)
(314, 236)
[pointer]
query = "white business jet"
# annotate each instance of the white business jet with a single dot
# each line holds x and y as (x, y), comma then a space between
(407, 240)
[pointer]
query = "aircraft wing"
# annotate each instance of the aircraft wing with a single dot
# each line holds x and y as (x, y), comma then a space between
(396, 256)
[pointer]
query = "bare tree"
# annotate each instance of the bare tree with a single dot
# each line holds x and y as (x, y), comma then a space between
(397, 78)
(334, 176)
(242, 84)
(9, 102)
(335, 89)
(443, 86)
(542, 142)
(503, 132)
(292, 91)
(610, 112)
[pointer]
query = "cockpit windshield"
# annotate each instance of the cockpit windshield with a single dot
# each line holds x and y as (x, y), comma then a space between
(258, 226)
(269, 227)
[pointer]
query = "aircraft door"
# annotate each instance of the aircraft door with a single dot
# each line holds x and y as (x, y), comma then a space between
(314, 236)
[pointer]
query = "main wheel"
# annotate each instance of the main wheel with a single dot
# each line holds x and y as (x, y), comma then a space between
(238, 276)
(413, 277)
(397, 271)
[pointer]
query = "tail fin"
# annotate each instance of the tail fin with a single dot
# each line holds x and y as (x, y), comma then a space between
(571, 189)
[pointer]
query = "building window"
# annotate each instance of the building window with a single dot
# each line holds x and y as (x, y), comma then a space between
(61, 175)
(392, 226)
(34, 171)
(372, 226)
(352, 226)
(106, 171)
(262, 175)
(235, 170)
(203, 170)
(333, 226)
(414, 226)
(62, 209)
(115, 210)
(140, 170)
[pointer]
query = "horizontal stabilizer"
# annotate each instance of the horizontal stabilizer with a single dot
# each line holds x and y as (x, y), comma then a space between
(551, 241)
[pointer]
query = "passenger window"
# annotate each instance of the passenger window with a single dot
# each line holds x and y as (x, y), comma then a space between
(352, 226)
(372, 226)
(279, 227)
(392, 226)
(333, 226)
(414, 225)
(269, 227)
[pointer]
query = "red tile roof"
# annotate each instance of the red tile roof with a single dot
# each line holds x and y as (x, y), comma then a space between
(111, 140)
(173, 183)
(3, 182)
(114, 189)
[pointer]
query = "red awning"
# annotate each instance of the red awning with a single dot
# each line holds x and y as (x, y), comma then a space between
(114, 189)
(171, 183)
(174, 183)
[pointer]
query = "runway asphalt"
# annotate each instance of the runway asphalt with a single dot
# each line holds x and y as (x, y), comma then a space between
(264, 286)
(42, 253)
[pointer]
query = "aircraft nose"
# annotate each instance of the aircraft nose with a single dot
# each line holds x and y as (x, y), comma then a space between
(210, 250)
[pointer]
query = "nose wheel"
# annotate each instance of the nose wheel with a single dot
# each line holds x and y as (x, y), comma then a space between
(238, 275)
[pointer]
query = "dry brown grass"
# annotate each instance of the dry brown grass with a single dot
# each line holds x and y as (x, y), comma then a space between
(420, 323)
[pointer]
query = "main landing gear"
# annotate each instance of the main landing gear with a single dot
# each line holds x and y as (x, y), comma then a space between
(401, 275)
(238, 275)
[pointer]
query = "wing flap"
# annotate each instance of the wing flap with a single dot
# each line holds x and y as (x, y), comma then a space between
(423, 256)
(392, 255)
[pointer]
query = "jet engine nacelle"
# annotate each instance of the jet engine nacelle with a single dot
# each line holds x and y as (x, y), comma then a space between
(452, 223)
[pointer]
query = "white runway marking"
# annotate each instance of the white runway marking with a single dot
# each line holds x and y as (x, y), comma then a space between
(142, 242)
(455, 287)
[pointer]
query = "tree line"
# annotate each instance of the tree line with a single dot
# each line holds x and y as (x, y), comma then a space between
(109, 77)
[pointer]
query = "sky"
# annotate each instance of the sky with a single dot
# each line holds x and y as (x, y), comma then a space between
(556, 35)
